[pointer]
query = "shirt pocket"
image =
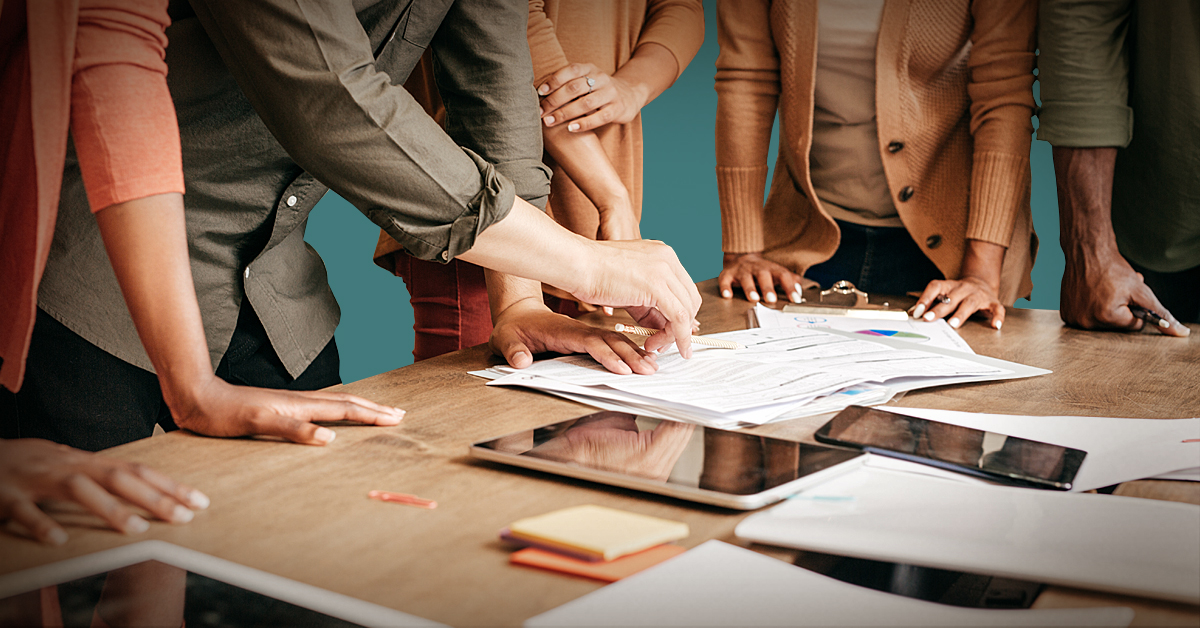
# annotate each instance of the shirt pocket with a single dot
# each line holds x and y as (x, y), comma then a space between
(423, 19)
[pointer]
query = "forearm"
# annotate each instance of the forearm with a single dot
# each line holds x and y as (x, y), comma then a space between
(1084, 178)
(584, 161)
(548, 252)
(146, 240)
(650, 71)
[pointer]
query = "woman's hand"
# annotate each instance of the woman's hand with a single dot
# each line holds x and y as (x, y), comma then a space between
(528, 327)
(975, 292)
(34, 470)
(568, 99)
(959, 300)
(218, 408)
(617, 221)
(758, 275)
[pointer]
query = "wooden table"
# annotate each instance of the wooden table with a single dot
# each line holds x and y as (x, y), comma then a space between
(302, 512)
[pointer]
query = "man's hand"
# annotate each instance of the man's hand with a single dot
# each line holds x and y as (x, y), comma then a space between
(756, 276)
(34, 470)
(1097, 290)
(222, 409)
(1098, 285)
(528, 327)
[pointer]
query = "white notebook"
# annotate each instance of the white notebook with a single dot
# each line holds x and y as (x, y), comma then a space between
(717, 584)
(1141, 547)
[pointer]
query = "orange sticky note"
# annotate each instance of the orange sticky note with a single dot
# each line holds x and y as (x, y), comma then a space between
(607, 571)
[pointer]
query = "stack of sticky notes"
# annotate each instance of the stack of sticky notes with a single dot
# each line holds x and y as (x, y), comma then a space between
(594, 541)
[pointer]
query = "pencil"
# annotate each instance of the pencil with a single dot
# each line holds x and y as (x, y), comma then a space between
(1150, 316)
(707, 342)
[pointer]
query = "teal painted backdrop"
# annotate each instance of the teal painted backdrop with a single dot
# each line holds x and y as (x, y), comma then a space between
(375, 334)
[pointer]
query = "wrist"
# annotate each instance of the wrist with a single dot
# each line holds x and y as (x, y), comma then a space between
(184, 393)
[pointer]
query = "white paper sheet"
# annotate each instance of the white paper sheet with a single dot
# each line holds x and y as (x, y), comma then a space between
(935, 333)
(717, 584)
(1125, 545)
(1118, 450)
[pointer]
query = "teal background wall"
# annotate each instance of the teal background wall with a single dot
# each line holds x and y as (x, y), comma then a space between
(375, 334)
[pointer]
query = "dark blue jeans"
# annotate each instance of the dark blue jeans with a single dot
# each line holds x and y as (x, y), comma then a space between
(878, 260)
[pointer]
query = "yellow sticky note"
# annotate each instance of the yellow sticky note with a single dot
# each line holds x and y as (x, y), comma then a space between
(605, 533)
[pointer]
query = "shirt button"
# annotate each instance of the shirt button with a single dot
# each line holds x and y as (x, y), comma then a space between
(906, 193)
(933, 241)
(895, 146)
(445, 256)
(246, 273)
(291, 201)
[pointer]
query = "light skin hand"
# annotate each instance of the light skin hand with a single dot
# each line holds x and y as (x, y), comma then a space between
(975, 292)
(642, 276)
(759, 278)
(522, 326)
(146, 242)
(567, 99)
(1098, 284)
(34, 470)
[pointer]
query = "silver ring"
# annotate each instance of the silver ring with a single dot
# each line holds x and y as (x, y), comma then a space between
(591, 83)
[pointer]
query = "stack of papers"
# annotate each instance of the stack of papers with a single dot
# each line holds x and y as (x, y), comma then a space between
(781, 373)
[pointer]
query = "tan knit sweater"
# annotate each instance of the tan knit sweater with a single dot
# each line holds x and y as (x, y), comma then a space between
(953, 98)
(605, 33)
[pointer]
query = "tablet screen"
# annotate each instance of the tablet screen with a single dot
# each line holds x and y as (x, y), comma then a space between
(675, 454)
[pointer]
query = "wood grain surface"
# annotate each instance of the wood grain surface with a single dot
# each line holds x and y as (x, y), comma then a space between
(303, 513)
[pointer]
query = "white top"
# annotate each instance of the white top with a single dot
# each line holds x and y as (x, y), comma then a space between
(847, 170)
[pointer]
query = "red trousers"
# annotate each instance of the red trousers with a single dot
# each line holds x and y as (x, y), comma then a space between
(450, 305)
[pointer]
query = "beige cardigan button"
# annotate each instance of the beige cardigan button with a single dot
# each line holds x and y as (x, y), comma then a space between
(906, 193)
(933, 241)
(895, 146)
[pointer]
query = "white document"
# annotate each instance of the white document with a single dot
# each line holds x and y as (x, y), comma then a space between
(1124, 545)
(1118, 450)
(936, 333)
(718, 584)
(777, 373)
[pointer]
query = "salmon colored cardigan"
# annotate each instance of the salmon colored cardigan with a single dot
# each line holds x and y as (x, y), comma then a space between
(94, 69)
(953, 94)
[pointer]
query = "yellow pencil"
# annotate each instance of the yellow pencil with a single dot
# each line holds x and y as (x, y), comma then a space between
(708, 342)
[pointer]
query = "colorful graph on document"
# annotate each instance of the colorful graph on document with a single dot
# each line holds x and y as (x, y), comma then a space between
(891, 333)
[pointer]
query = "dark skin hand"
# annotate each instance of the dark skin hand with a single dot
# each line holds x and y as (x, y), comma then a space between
(1098, 285)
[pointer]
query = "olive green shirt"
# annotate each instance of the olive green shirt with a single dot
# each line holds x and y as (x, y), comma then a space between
(1124, 73)
(281, 100)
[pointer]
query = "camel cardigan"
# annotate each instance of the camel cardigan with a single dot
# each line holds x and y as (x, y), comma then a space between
(953, 106)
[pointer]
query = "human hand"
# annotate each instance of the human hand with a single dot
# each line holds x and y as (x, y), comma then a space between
(34, 470)
(745, 269)
(218, 408)
(527, 327)
(646, 278)
(610, 441)
(1097, 290)
(960, 299)
(568, 99)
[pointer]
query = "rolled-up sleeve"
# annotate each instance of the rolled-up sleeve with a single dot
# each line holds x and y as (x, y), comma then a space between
(307, 68)
(485, 79)
(1083, 68)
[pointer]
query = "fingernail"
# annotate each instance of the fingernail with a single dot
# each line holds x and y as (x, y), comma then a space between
(198, 500)
(753, 296)
(770, 297)
(954, 322)
(398, 412)
(796, 297)
(574, 126)
(919, 310)
(325, 435)
(182, 515)
(727, 294)
(548, 120)
(929, 316)
(541, 111)
(999, 324)
(136, 525)
(624, 369)
(608, 310)
(56, 537)
(1164, 323)
(544, 89)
